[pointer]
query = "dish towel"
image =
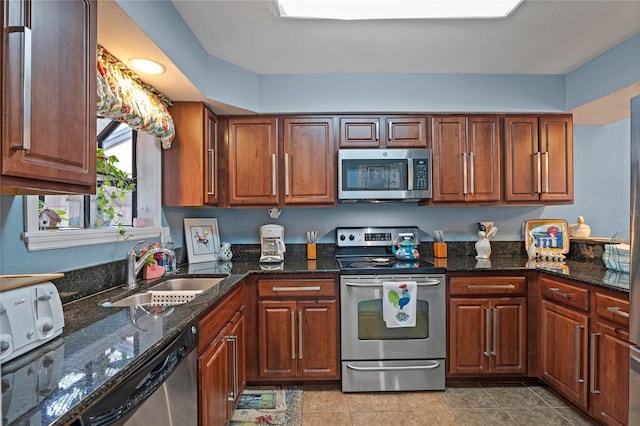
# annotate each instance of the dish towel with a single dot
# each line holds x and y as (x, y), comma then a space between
(399, 303)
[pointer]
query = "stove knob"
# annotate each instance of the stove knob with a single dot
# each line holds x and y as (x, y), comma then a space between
(352, 237)
(4, 346)
(342, 237)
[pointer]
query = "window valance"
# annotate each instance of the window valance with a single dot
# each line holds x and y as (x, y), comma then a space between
(123, 97)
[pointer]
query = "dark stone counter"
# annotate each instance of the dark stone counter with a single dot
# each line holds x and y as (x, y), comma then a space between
(101, 346)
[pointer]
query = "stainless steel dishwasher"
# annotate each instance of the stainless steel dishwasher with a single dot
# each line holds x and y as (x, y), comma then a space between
(163, 392)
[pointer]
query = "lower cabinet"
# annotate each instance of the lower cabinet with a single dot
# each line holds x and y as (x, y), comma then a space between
(297, 323)
(487, 335)
(221, 359)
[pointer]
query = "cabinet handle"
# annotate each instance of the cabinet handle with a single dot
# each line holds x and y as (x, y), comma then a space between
(615, 310)
(491, 287)
(389, 132)
(539, 169)
(464, 173)
(293, 335)
(546, 170)
(592, 364)
(473, 172)
(26, 86)
(494, 352)
(273, 174)
(377, 130)
(579, 329)
(557, 292)
(310, 288)
(286, 174)
(212, 170)
(487, 330)
(234, 347)
(299, 334)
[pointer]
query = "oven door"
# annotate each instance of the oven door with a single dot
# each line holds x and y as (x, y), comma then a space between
(365, 335)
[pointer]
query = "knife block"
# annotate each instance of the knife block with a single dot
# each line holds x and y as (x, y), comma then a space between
(440, 249)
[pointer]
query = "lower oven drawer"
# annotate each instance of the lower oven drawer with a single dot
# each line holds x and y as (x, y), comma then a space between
(409, 375)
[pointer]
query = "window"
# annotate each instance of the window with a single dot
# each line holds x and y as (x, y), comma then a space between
(80, 220)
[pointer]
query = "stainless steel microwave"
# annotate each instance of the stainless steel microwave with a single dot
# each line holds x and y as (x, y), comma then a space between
(384, 174)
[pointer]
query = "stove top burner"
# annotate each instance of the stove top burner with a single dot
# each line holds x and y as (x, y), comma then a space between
(366, 264)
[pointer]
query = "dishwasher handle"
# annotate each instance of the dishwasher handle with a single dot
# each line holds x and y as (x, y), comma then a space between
(124, 399)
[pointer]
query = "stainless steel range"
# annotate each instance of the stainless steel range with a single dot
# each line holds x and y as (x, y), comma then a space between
(388, 341)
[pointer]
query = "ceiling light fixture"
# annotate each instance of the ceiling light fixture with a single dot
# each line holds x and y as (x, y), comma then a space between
(146, 66)
(396, 9)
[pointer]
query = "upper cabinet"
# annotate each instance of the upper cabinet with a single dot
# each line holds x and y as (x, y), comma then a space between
(253, 161)
(539, 158)
(466, 158)
(48, 98)
(189, 167)
(383, 131)
(297, 167)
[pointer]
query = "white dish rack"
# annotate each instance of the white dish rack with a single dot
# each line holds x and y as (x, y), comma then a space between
(617, 257)
(170, 298)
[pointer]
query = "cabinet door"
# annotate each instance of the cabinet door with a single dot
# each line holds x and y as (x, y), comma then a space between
(309, 161)
(509, 336)
(406, 132)
(49, 137)
(483, 146)
(277, 338)
(236, 348)
(253, 161)
(213, 383)
(556, 147)
(450, 171)
(469, 344)
(522, 159)
(359, 132)
(189, 172)
(317, 339)
(609, 384)
(564, 351)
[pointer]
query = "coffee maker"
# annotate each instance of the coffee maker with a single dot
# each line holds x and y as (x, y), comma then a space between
(272, 243)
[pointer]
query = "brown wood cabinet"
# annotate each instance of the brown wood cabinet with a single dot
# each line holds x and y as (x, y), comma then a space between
(487, 325)
(309, 161)
(221, 359)
(466, 158)
(609, 360)
(190, 167)
(383, 131)
(297, 329)
(49, 138)
(539, 158)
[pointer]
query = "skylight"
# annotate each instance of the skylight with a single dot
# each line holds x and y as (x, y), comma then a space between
(396, 9)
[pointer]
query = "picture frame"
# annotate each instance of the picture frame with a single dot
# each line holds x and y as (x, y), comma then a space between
(550, 234)
(202, 239)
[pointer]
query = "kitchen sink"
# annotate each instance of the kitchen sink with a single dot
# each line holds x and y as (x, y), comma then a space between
(174, 291)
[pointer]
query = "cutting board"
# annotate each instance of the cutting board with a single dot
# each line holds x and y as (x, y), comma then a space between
(11, 282)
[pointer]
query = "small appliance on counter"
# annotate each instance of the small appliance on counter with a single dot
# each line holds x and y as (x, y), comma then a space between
(272, 243)
(30, 313)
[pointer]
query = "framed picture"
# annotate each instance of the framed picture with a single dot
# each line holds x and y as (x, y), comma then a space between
(549, 234)
(202, 238)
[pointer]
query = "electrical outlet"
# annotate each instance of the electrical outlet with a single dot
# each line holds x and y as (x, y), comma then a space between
(165, 235)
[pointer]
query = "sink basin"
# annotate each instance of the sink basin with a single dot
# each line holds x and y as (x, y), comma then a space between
(174, 291)
(186, 284)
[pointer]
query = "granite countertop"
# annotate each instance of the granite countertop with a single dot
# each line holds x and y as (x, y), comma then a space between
(101, 346)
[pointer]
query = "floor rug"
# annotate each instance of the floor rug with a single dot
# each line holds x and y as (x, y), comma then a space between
(269, 406)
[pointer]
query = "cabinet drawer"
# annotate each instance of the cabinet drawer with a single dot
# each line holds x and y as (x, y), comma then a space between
(613, 309)
(219, 316)
(297, 288)
(565, 294)
(465, 286)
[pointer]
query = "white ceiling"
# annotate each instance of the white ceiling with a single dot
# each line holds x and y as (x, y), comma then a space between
(540, 37)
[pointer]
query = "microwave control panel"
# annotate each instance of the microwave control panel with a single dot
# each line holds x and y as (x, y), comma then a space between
(421, 174)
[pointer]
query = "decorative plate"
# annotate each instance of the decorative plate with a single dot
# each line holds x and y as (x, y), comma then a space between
(549, 234)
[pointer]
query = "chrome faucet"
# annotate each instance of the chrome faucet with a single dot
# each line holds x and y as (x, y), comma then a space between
(133, 267)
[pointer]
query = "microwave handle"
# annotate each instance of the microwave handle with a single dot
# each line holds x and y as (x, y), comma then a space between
(410, 174)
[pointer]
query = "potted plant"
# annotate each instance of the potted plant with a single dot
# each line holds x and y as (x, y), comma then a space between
(113, 186)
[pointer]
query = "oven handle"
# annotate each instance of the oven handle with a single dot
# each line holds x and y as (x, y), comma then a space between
(428, 282)
(434, 364)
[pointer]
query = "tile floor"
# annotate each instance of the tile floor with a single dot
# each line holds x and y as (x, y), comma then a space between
(459, 404)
